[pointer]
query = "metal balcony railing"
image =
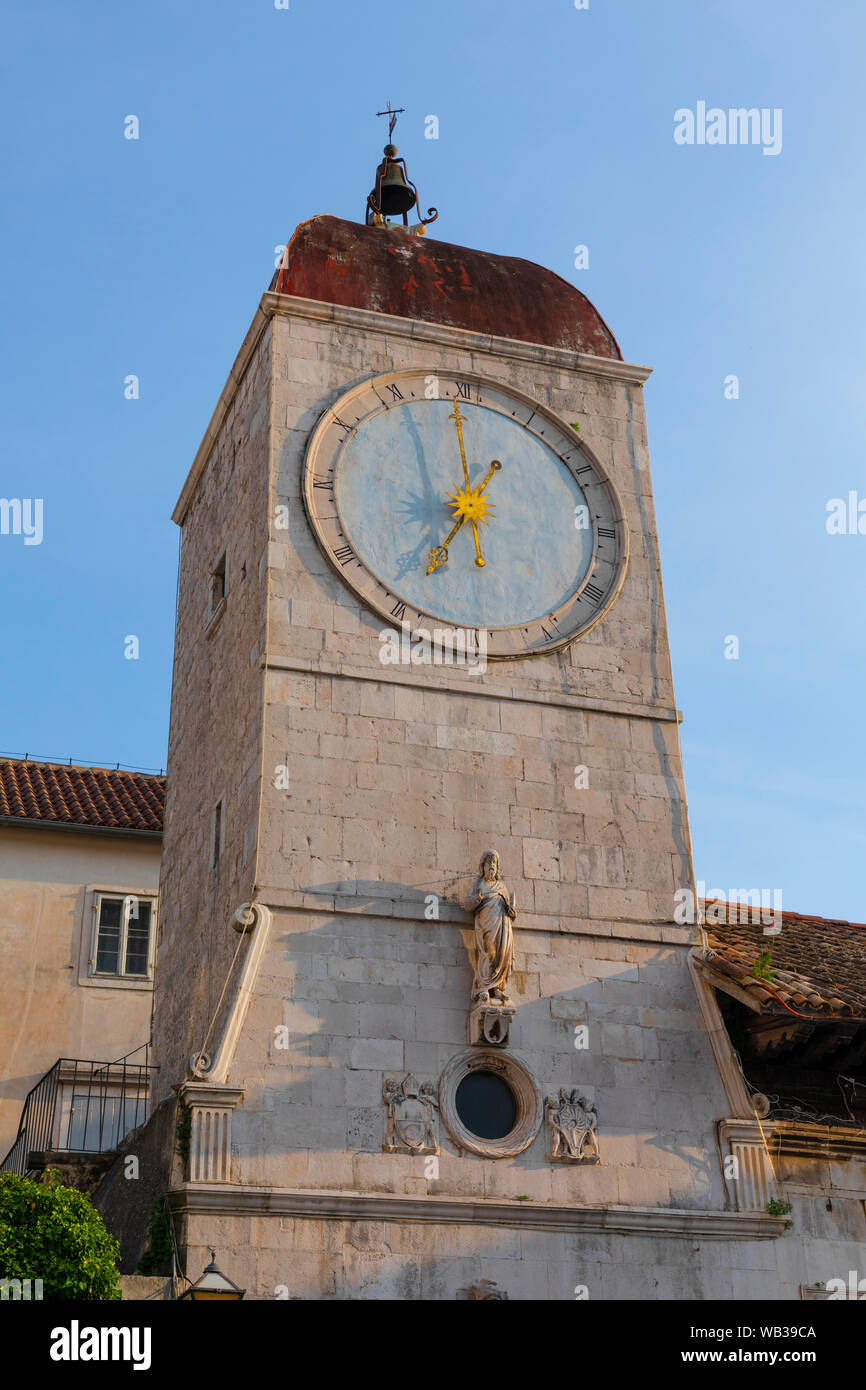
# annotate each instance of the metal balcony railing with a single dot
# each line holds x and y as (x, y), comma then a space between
(81, 1108)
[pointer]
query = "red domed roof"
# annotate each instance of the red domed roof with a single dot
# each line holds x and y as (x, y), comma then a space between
(418, 278)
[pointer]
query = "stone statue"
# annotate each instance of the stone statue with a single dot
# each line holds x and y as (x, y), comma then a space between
(494, 934)
(490, 1009)
(572, 1125)
(411, 1111)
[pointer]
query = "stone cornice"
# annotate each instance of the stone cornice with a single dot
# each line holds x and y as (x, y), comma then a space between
(653, 931)
(22, 823)
(471, 686)
(445, 335)
(368, 320)
(234, 1200)
(208, 1093)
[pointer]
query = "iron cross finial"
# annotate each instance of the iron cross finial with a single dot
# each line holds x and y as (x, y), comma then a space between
(392, 117)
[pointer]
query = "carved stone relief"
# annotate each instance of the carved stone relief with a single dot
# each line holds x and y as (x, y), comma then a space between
(572, 1122)
(490, 1025)
(484, 1291)
(411, 1114)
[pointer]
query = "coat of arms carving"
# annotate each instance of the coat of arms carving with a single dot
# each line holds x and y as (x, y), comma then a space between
(411, 1116)
(572, 1123)
(486, 1291)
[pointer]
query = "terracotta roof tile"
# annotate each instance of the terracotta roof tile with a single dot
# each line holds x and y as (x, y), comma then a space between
(818, 964)
(103, 798)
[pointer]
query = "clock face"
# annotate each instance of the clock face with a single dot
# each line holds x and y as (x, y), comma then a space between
(457, 503)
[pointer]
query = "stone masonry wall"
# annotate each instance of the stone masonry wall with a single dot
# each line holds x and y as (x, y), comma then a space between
(215, 741)
(273, 1257)
(365, 997)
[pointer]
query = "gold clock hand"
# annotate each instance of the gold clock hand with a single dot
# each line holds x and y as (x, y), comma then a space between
(494, 468)
(439, 554)
(479, 558)
(458, 420)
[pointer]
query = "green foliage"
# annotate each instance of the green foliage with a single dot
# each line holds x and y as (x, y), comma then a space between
(183, 1132)
(761, 969)
(777, 1207)
(157, 1256)
(54, 1233)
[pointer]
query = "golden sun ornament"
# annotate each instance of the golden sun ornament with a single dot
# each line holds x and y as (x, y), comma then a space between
(470, 505)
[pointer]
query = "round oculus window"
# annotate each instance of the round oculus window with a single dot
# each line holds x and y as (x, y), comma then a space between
(490, 1102)
(486, 1105)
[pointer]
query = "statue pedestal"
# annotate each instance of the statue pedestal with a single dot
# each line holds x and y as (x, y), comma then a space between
(490, 1025)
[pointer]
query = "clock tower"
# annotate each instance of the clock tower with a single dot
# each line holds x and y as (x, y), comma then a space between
(423, 1015)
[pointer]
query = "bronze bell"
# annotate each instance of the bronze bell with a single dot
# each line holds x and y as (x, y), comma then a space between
(397, 198)
(394, 194)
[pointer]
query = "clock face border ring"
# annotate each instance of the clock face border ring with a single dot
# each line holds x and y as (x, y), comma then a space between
(330, 422)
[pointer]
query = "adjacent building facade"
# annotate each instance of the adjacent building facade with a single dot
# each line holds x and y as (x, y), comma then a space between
(80, 852)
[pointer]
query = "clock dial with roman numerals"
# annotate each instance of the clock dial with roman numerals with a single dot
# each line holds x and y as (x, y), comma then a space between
(455, 502)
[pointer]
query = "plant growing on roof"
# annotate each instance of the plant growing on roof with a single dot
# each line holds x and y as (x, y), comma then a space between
(761, 969)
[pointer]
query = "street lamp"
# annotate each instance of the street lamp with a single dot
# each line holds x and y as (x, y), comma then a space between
(213, 1284)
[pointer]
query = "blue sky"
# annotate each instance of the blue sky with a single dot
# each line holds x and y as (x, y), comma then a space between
(556, 129)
